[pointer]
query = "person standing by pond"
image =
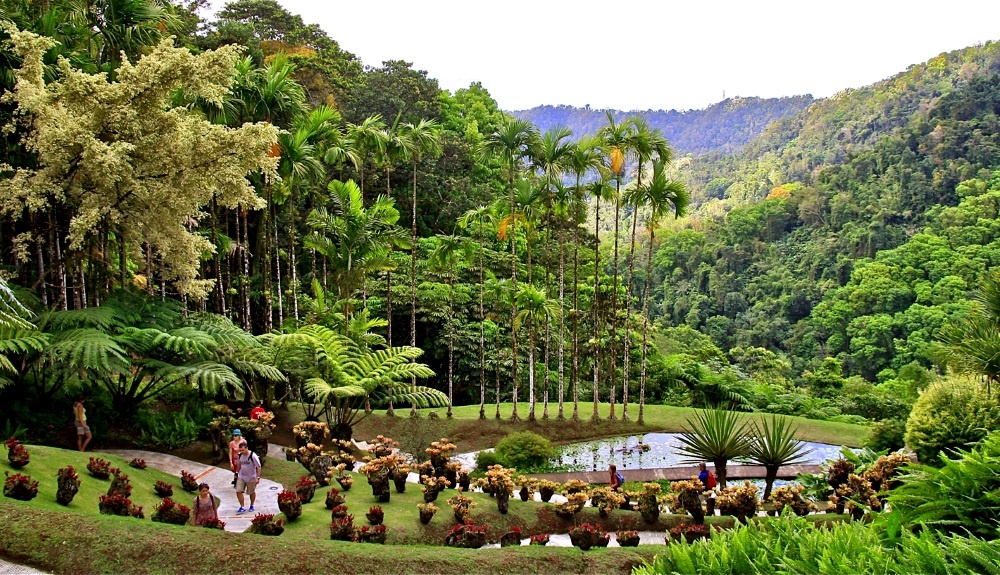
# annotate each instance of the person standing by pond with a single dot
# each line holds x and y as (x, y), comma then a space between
(616, 479)
(206, 505)
(83, 435)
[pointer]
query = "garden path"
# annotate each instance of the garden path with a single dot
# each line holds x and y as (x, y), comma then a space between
(219, 479)
(13, 569)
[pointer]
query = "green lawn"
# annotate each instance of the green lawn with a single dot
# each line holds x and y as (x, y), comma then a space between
(471, 434)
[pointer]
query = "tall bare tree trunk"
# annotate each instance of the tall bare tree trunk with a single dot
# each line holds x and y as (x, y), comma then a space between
(594, 307)
(614, 311)
(645, 323)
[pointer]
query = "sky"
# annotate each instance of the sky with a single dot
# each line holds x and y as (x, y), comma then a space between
(647, 54)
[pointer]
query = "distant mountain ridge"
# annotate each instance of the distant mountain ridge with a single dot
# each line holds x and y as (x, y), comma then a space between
(723, 127)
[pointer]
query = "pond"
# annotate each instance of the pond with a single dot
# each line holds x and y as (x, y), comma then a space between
(625, 453)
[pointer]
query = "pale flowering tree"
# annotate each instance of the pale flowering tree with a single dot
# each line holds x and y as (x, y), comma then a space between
(118, 159)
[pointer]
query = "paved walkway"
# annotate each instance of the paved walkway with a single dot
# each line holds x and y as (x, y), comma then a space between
(221, 482)
(12, 569)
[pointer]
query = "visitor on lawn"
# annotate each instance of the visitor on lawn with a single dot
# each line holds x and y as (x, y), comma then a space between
(248, 475)
(80, 420)
(206, 506)
(234, 452)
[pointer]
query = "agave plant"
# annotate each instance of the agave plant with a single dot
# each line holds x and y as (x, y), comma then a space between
(775, 445)
(718, 436)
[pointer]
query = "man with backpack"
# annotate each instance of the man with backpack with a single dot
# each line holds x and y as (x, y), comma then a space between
(247, 476)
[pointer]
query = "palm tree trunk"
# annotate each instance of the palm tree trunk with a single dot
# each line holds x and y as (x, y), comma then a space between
(626, 361)
(594, 306)
(451, 343)
(531, 373)
(413, 277)
(575, 373)
(277, 268)
(562, 323)
(645, 323)
(513, 300)
(614, 309)
(482, 330)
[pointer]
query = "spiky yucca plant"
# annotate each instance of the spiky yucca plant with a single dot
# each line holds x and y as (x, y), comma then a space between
(773, 446)
(715, 435)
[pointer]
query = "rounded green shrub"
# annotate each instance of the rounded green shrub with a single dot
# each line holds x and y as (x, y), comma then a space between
(950, 415)
(484, 459)
(524, 449)
(886, 435)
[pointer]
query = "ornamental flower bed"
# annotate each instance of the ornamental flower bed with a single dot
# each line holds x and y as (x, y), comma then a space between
(213, 524)
(371, 534)
(163, 489)
(266, 524)
(511, 538)
(587, 535)
(169, 511)
(99, 468)
(606, 500)
(690, 532)
(627, 538)
(17, 453)
(342, 528)
(137, 463)
(467, 536)
(740, 501)
(791, 496)
(188, 482)
(68, 485)
(20, 487)
(334, 498)
(375, 515)
(426, 511)
(120, 484)
(540, 539)
(290, 503)
(116, 504)
(574, 504)
(462, 506)
(306, 488)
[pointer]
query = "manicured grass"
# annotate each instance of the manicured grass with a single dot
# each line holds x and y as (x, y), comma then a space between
(472, 434)
(46, 462)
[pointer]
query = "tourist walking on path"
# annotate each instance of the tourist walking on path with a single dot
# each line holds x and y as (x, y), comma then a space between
(234, 452)
(206, 506)
(247, 477)
(83, 435)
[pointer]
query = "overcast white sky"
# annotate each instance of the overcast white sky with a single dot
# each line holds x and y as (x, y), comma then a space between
(644, 54)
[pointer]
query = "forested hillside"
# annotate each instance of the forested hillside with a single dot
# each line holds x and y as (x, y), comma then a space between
(723, 127)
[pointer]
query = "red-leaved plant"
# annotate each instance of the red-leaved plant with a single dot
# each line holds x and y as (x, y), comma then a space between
(137, 463)
(68, 484)
(21, 487)
(188, 482)
(99, 468)
(540, 539)
(266, 524)
(17, 453)
(213, 524)
(169, 511)
(163, 489)
(116, 504)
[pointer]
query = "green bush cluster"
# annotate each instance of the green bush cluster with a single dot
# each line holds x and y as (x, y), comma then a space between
(524, 450)
(950, 415)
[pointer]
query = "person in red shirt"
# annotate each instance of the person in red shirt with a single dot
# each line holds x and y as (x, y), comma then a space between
(257, 411)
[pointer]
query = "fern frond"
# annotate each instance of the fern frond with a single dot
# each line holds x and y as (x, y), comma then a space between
(406, 393)
(186, 340)
(89, 349)
(209, 376)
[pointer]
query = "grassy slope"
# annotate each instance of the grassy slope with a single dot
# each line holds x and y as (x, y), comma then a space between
(471, 434)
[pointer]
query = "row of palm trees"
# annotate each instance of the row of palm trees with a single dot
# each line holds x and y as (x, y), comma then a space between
(537, 167)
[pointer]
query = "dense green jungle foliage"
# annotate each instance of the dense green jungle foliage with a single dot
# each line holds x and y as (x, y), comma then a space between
(267, 198)
(723, 127)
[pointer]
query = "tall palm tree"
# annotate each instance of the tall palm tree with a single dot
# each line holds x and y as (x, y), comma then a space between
(584, 156)
(510, 143)
(448, 251)
(424, 139)
(482, 216)
(619, 140)
(662, 195)
(550, 156)
(535, 309)
(598, 190)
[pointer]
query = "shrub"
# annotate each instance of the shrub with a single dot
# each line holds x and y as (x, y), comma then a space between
(21, 487)
(342, 528)
(169, 511)
(484, 459)
(886, 435)
(371, 534)
(120, 484)
(188, 482)
(213, 524)
(290, 503)
(17, 453)
(462, 506)
(137, 463)
(467, 535)
(306, 488)
(375, 515)
(116, 504)
(524, 449)
(948, 416)
(68, 484)
(334, 498)
(539, 539)
(163, 489)
(587, 535)
(266, 524)
(99, 468)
